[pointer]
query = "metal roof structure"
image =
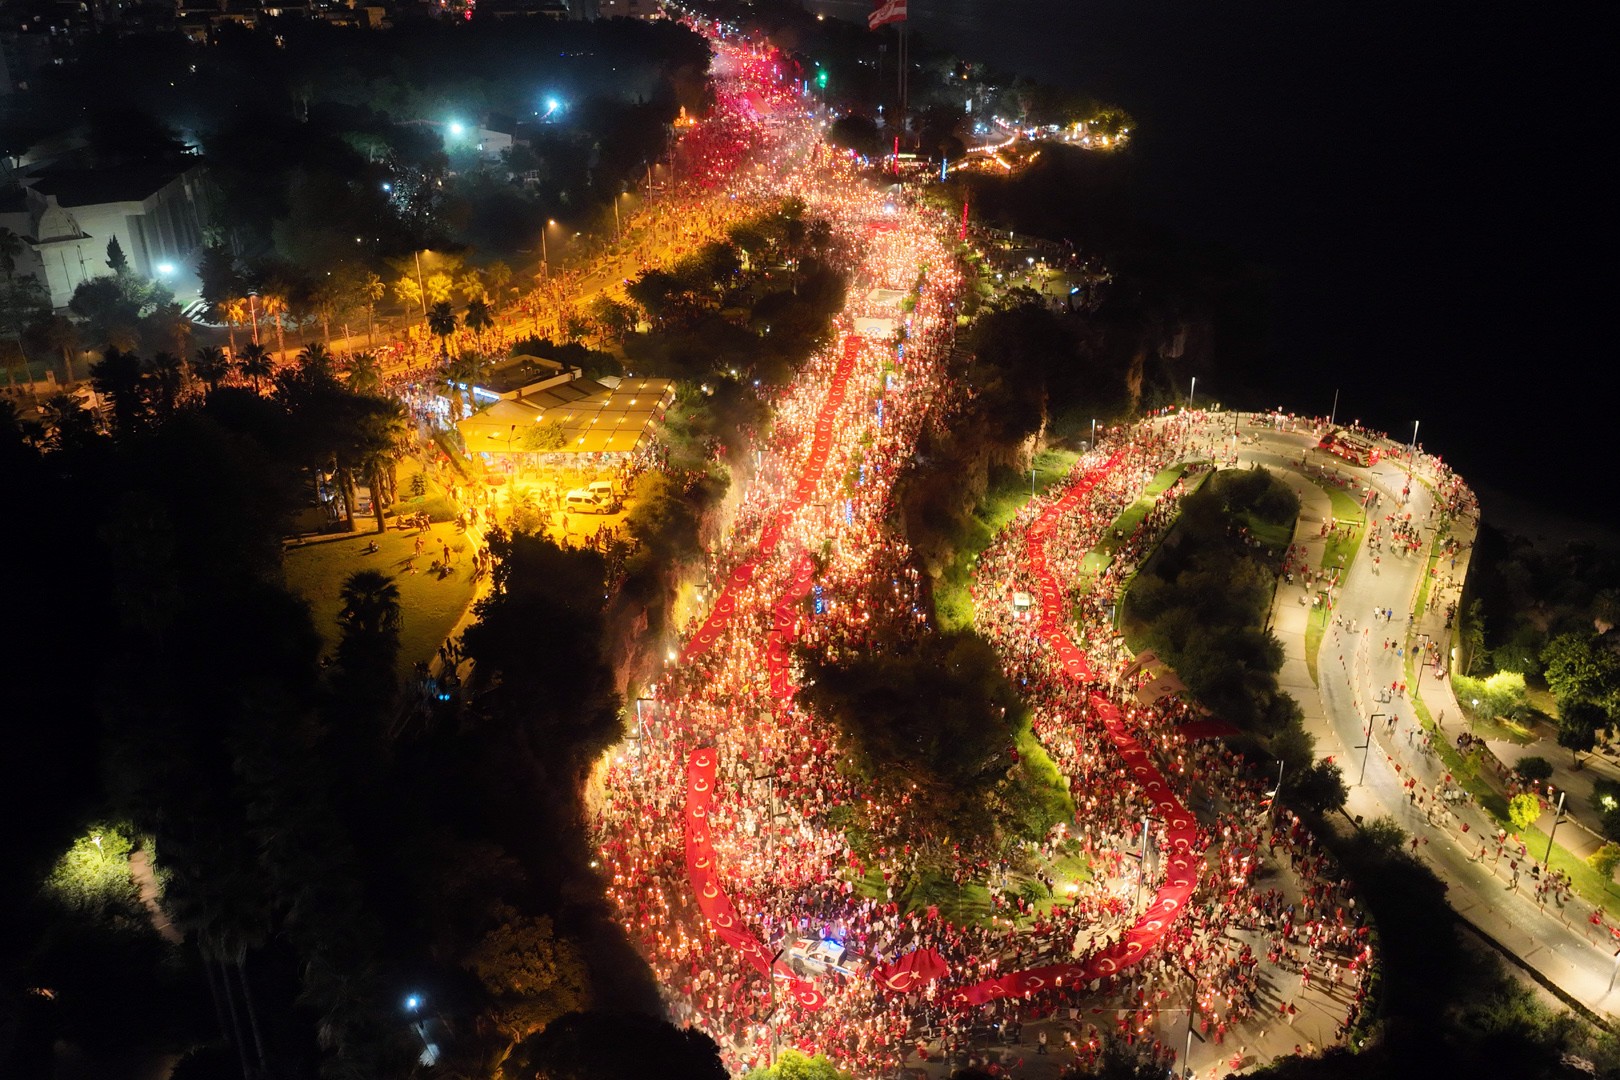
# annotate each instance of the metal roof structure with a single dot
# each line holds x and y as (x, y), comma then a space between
(595, 417)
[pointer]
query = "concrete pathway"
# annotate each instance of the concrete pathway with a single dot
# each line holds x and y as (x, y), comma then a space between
(1354, 672)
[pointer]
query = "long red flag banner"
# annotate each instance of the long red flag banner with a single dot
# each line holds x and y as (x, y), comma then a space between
(810, 473)
(1180, 826)
(886, 11)
(702, 872)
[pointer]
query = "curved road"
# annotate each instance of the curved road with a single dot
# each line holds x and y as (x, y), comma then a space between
(1556, 945)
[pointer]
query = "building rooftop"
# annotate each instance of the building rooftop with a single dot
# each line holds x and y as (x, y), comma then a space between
(89, 187)
(595, 418)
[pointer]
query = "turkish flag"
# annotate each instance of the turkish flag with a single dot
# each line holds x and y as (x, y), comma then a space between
(886, 11)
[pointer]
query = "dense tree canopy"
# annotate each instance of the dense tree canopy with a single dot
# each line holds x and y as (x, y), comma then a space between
(932, 730)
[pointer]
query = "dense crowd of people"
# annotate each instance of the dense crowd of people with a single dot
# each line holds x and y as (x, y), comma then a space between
(778, 806)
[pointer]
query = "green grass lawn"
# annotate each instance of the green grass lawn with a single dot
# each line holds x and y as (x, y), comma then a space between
(953, 604)
(430, 605)
(1101, 557)
(969, 904)
(1587, 882)
(1340, 552)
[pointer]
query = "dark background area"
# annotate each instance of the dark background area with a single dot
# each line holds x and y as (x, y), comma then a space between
(1421, 183)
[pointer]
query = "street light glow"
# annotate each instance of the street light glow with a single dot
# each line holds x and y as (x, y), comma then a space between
(165, 269)
(457, 128)
(413, 1002)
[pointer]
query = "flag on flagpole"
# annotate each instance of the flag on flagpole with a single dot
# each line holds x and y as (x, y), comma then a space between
(886, 11)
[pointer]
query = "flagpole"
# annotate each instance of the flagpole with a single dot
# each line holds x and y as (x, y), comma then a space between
(905, 64)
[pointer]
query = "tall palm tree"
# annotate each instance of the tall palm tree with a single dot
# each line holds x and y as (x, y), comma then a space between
(365, 373)
(498, 275)
(169, 325)
(315, 357)
(62, 334)
(167, 376)
(370, 605)
(465, 372)
(371, 289)
(211, 366)
(234, 310)
(274, 306)
(68, 425)
(441, 320)
(122, 378)
(386, 435)
(478, 318)
(255, 365)
(471, 285)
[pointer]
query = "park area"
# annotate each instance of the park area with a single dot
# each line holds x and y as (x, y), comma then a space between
(431, 601)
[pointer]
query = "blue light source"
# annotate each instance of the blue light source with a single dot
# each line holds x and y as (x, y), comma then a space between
(457, 128)
(413, 1003)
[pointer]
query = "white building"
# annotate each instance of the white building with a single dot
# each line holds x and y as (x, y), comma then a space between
(67, 216)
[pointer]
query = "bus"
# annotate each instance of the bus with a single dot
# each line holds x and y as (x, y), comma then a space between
(1350, 446)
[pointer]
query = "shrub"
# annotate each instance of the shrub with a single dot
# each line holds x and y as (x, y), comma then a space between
(1605, 859)
(1523, 810)
(1534, 768)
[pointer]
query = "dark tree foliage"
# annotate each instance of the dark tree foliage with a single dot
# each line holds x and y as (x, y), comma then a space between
(607, 1045)
(931, 732)
(538, 641)
(1202, 600)
(317, 858)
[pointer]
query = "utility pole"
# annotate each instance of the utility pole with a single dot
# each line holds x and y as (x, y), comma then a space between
(1558, 816)
(1334, 415)
(1192, 1007)
(770, 975)
(1366, 747)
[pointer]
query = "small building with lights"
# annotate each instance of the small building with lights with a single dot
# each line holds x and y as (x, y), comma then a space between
(532, 405)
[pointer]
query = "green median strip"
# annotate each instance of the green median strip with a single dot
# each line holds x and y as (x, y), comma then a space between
(1102, 556)
(1340, 552)
(953, 603)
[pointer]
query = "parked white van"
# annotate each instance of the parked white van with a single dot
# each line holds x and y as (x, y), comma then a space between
(583, 501)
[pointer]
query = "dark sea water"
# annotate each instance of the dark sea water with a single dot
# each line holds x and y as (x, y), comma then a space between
(1429, 185)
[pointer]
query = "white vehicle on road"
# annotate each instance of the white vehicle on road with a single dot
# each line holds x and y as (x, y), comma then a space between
(823, 956)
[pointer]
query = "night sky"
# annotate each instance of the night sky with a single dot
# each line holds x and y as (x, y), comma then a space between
(1424, 183)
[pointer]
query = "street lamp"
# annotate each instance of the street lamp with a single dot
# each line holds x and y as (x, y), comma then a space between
(1558, 817)
(1366, 747)
(421, 286)
(545, 261)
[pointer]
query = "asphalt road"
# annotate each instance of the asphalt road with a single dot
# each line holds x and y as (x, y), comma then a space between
(1556, 943)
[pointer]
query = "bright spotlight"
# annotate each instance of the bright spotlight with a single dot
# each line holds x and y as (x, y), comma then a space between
(457, 128)
(165, 269)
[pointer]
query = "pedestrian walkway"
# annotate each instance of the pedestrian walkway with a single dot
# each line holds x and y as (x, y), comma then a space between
(1396, 773)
